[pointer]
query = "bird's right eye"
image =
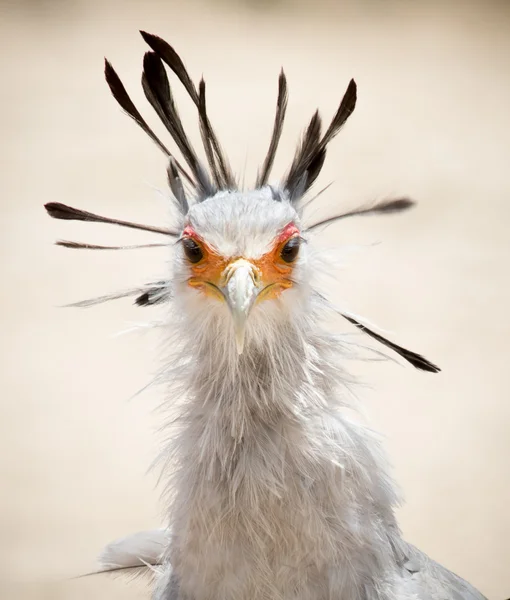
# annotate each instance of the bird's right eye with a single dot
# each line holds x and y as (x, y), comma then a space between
(192, 250)
(290, 251)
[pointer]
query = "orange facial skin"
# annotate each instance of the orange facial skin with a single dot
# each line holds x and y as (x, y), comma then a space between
(271, 272)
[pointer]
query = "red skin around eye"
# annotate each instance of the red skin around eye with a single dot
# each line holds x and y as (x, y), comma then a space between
(288, 231)
(190, 232)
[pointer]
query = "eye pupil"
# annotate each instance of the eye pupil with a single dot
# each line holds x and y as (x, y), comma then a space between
(192, 250)
(290, 250)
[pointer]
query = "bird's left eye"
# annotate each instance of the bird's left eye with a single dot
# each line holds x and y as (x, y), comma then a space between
(290, 251)
(192, 250)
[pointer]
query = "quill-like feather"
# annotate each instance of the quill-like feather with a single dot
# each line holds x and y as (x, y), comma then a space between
(58, 210)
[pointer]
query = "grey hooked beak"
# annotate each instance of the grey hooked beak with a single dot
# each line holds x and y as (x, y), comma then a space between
(241, 291)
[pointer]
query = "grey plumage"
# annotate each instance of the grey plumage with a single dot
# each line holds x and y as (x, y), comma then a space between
(272, 492)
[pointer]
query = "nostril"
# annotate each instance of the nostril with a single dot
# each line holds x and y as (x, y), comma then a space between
(255, 275)
(241, 264)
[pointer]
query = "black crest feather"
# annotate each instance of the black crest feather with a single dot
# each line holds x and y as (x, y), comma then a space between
(175, 183)
(298, 179)
(281, 109)
(385, 207)
(346, 108)
(68, 213)
(84, 246)
(157, 91)
(169, 56)
(119, 93)
(205, 132)
(311, 154)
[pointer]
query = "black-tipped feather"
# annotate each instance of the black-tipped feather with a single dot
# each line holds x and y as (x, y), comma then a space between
(173, 60)
(310, 156)
(89, 302)
(119, 93)
(157, 293)
(299, 188)
(147, 295)
(175, 183)
(222, 169)
(415, 359)
(157, 91)
(83, 246)
(386, 207)
(63, 211)
(314, 168)
(298, 172)
(346, 108)
(206, 137)
(281, 109)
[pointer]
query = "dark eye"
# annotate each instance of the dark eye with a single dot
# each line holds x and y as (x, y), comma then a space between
(291, 250)
(192, 250)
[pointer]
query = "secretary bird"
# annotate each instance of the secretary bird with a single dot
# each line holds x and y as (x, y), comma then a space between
(273, 493)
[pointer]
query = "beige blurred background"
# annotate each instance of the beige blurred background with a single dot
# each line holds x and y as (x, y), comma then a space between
(432, 122)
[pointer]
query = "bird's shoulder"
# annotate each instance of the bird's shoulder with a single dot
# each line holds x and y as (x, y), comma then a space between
(428, 580)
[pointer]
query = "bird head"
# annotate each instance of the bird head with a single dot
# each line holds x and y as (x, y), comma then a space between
(243, 255)
(240, 255)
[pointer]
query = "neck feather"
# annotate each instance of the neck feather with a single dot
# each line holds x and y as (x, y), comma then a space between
(268, 462)
(281, 400)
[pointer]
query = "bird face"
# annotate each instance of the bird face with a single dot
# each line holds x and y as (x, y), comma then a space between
(242, 250)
